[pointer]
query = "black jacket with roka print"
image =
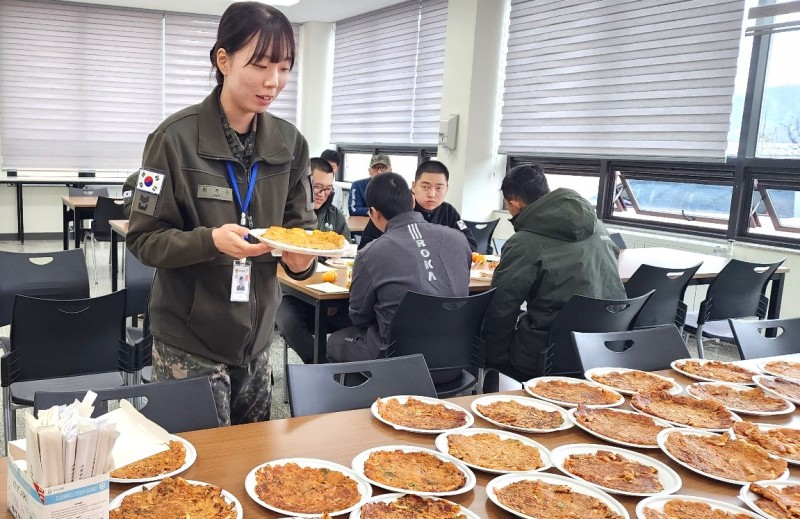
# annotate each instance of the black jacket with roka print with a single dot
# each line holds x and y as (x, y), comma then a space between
(190, 305)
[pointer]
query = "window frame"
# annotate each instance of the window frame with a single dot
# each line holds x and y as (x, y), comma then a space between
(422, 153)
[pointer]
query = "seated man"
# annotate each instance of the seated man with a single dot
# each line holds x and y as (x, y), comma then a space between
(334, 158)
(559, 249)
(295, 319)
(357, 205)
(429, 189)
(412, 255)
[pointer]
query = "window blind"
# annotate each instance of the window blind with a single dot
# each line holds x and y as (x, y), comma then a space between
(80, 86)
(623, 78)
(387, 75)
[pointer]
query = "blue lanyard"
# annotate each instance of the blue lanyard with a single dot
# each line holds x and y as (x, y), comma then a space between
(251, 185)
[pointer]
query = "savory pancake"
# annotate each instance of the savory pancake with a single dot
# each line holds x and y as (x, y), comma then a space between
(316, 239)
(781, 503)
(417, 414)
(782, 386)
(782, 442)
(546, 501)
(175, 498)
(743, 399)
(682, 509)
(489, 450)
(784, 368)
(164, 462)
(306, 490)
(703, 414)
(573, 392)
(634, 380)
(634, 428)
(415, 471)
(716, 370)
(412, 507)
(612, 470)
(511, 412)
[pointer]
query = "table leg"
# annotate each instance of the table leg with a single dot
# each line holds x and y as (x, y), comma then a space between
(77, 224)
(65, 218)
(20, 215)
(321, 332)
(114, 260)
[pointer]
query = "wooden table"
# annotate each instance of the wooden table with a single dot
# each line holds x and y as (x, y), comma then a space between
(119, 229)
(76, 209)
(226, 455)
(356, 224)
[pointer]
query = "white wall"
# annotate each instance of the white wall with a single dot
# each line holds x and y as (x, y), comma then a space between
(316, 85)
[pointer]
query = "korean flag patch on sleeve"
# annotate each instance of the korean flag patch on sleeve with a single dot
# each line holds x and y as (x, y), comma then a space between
(150, 181)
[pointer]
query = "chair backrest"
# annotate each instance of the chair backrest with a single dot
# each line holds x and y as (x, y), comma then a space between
(446, 330)
(88, 191)
(648, 349)
(618, 240)
(666, 305)
(754, 341)
(138, 281)
(51, 275)
(314, 389)
(737, 291)
(586, 314)
(107, 209)
(175, 405)
(482, 231)
(61, 338)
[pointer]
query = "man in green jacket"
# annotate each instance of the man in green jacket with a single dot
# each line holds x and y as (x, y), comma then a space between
(559, 249)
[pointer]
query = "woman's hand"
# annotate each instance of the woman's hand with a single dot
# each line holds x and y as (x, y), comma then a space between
(230, 239)
(297, 262)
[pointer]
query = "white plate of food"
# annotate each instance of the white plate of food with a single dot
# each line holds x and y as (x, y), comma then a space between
(781, 368)
(344, 489)
(521, 413)
(625, 380)
(319, 243)
(583, 461)
(707, 447)
(340, 263)
(443, 474)
(165, 459)
(632, 429)
(699, 506)
(192, 503)
(417, 503)
(751, 498)
(485, 275)
(576, 392)
(705, 414)
(512, 493)
(706, 370)
(404, 412)
(779, 440)
(741, 399)
(498, 452)
(780, 387)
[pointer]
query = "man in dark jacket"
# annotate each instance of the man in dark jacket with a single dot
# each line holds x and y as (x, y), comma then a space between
(559, 249)
(429, 189)
(295, 319)
(357, 203)
(411, 255)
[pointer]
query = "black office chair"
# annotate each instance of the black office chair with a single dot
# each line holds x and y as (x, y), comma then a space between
(446, 330)
(737, 291)
(315, 389)
(85, 191)
(585, 314)
(175, 405)
(107, 209)
(483, 234)
(138, 282)
(767, 337)
(71, 345)
(648, 349)
(666, 305)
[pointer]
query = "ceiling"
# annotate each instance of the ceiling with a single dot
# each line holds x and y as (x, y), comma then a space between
(303, 11)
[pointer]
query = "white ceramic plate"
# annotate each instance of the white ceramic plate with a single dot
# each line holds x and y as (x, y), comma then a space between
(674, 365)
(590, 374)
(388, 498)
(533, 382)
(485, 275)
(767, 427)
(787, 409)
(292, 248)
(339, 263)
(758, 381)
(609, 439)
(230, 498)
(363, 487)
(522, 400)
(762, 366)
(662, 440)
(428, 400)
(191, 456)
(361, 458)
(669, 479)
(657, 503)
(443, 445)
(577, 486)
(734, 417)
(750, 498)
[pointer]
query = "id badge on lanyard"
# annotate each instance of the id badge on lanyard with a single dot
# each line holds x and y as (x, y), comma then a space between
(242, 269)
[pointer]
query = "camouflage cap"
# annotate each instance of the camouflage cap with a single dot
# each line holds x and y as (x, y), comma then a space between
(380, 158)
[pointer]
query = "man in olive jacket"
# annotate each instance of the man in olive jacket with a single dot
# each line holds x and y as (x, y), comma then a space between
(559, 249)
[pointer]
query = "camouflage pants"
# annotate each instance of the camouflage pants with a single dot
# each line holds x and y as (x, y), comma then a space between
(242, 393)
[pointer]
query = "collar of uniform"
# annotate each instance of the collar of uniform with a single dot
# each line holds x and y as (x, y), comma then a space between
(269, 146)
(404, 219)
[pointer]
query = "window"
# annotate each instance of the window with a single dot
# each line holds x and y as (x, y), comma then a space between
(356, 164)
(779, 127)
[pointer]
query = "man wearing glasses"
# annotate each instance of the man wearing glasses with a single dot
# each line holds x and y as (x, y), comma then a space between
(379, 163)
(295, 319)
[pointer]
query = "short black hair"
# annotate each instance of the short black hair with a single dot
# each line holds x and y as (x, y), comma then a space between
(526, 183)
(243, 21)
(320, 164)
(432, 166)
(389, 194)
(332, 156)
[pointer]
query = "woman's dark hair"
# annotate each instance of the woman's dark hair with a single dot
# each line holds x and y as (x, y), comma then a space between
(432, 166)
(525, 183)
(389, 194)
(320, 164)
(242, 21)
